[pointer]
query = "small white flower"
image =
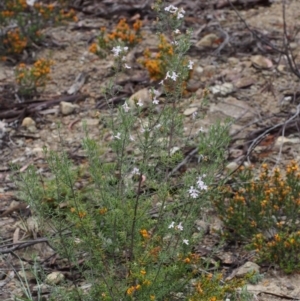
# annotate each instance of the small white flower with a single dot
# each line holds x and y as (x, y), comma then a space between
(139, 103)
(118, 136)
(135, 171)
(172, 75)
(174, 43)
(127, 67)
(125, 107)
(117, 50)
(177, 31)
(30, 2)
(186, 242)
(155, 101)
(171, 9)
(181, 13)
(171, 225)
(201, 185)
(179, 227)
(190, 65)
(194, 193)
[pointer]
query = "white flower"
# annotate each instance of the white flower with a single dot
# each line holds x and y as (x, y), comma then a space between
(118, 49)
(201, 185)
(179, 227)
(155, 101)
(190, 65)
(135, 171)
(118, 136)
(127, 67)
(171, 225)
(171, 9)
(125, 107)
(186, 242)
(174, 43)
(194, 193)
(30, 2)
(139, 103)
(172, 75)
(177, 31)
(181, 13)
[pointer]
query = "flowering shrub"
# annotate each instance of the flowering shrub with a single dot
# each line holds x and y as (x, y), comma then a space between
(264, 213)
(122, 34)
(29, 79)
(132, 225)
(29, 18)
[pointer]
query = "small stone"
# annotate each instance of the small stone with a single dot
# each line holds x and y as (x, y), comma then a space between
(232, 166)
(42, 288)
(248, 267)
(26, 275)
(261, 62)
(54, 278)
(142, 96)
(190, 111)
(202, 226)
(222, 90)
(207, 41)
(244, 82)
(67, 108)
(27, 122)
(233, 61)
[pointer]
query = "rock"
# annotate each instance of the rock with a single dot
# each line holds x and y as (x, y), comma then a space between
(244, 82)
(207, 41)
(284, 140)
(28, 122)
(209, 71)
(26, 275)
(142, 96)
(190, 111)
(2, 129)
(248, 267)
(222, 90)
(261, 62)
(233, 61)
(67, 108)
(41, 288)
(54, 278)
(202, 226)
(232, 166)
(231, 107)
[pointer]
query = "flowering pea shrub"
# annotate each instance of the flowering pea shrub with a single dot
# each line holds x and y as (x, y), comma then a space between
(30, 79)
(121, 34)
(29, 18)
(132, 227)
(264, 213)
